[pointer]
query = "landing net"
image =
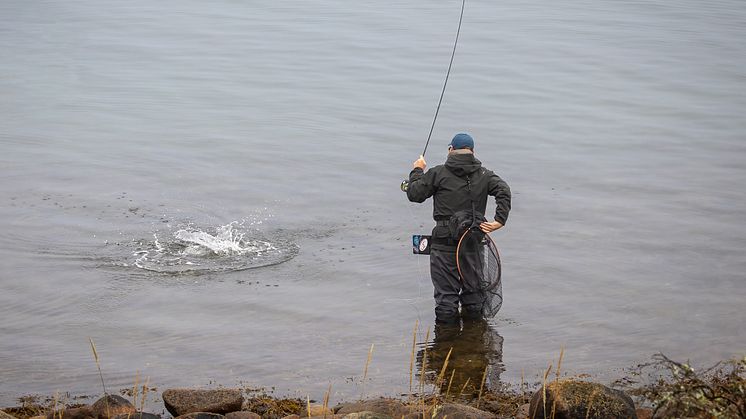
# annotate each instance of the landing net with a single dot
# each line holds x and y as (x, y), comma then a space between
(478, 262)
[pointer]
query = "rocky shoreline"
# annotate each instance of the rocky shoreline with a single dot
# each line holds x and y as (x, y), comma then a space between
(673, 390)
(567, 398)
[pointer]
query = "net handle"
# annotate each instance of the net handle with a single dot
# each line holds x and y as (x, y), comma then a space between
(458, 248)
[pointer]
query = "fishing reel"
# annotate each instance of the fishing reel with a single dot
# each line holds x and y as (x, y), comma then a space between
(404, 186)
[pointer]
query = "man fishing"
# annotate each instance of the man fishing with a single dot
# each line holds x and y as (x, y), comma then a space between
(456, 187)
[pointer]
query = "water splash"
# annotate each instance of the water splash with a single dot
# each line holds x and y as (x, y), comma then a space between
(226, 248)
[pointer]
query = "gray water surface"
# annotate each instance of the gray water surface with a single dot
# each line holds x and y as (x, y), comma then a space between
(618, 124)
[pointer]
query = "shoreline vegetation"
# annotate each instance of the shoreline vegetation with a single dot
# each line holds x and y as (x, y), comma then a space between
(662, 388)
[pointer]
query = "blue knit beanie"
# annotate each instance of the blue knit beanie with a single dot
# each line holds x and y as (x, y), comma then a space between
(462, 141)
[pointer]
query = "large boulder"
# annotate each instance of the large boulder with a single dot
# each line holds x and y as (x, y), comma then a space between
(111, 405)
(570, 399)
(454, 410)
(390, 407)
(180, 401)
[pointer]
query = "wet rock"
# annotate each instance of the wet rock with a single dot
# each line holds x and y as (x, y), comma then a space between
(85, 412)
(317, 410)
(453, 410)
(112, 405)
(137, 415)
(181, 401)
(242, 415)
(367, 415)
(569, 399)
(390, 407)
(4, 415)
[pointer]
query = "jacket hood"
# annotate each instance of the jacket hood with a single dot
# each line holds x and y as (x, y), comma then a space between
(462, 164)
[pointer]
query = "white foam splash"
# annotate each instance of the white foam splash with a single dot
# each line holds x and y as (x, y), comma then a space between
(227, 240)
(220, 249)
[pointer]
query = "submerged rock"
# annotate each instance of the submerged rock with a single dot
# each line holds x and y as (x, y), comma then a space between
(111, 405)
(182, 401)
(570, 399)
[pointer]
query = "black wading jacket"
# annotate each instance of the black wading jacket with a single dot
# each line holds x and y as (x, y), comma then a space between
(447, 185)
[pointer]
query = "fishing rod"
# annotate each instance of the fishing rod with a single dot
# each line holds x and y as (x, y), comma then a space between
(405, 183)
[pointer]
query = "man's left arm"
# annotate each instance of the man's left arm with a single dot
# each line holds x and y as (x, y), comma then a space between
(501, 191)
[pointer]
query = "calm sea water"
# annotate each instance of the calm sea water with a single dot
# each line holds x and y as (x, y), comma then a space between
(149, 151)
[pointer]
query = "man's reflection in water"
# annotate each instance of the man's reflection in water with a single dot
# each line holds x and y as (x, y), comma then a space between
(476, 346)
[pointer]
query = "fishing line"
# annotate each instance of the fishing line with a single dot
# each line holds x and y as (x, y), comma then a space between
(448, 73)
(405, 183)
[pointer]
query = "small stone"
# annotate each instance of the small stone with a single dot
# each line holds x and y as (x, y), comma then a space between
(182, 401)
(112, 405)
(291, 417)
(200, 415)
(4, 415)
(242, 415)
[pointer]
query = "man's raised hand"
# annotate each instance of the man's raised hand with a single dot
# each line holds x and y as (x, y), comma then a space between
(420, 163)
